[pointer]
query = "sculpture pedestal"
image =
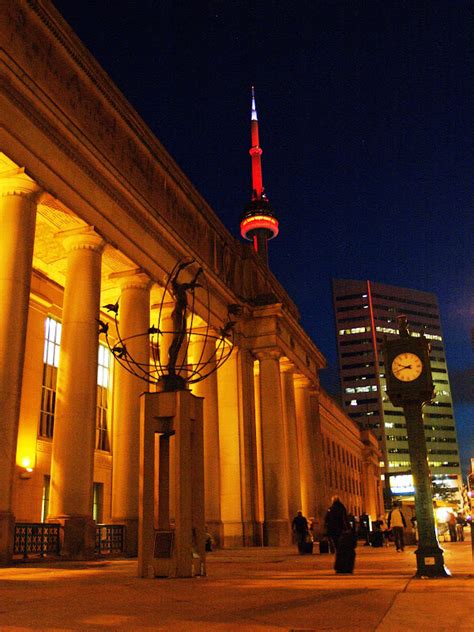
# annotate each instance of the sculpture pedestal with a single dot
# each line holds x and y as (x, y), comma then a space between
(171, 485)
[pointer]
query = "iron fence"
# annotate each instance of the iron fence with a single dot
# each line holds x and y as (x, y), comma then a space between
(36, 538)
(109, 538)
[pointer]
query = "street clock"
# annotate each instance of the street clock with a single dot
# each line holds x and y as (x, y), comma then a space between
(407, 368)
(409, 386)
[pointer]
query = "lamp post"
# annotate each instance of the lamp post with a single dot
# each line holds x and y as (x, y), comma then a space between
(410, 386)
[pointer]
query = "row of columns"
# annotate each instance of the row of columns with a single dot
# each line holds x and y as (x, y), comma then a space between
(251, 477)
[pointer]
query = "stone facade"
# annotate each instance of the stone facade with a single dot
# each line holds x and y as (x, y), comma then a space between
(92, 209)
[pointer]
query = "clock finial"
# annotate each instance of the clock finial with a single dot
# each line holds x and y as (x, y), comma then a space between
(403, 326)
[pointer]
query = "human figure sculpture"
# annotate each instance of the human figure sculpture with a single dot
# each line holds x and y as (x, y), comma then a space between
(179, 313)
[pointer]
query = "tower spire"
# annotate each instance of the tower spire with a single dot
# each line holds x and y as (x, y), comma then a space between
(259, 223)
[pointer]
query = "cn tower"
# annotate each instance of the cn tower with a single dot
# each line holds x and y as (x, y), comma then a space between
(259, 223)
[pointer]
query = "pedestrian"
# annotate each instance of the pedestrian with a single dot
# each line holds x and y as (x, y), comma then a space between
(301, 530)
(460, 524)
(414, 526)
(341, 535)
(396, 522)
(336, 522)
(452, 527)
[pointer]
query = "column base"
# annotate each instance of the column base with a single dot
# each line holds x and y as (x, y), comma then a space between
(276, 533)
(77, 537)
(430, 562)
(232, 534)
(253, 533)
(7, 537)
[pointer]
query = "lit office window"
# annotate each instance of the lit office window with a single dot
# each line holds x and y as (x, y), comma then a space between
(103, 379)
(52, 341)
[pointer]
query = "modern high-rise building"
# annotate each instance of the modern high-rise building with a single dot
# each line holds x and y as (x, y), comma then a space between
(364, 312)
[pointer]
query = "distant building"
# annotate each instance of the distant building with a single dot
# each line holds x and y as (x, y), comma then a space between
(364, 312)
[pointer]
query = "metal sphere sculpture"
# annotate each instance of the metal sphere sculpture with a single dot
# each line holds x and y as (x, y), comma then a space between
(168, 367)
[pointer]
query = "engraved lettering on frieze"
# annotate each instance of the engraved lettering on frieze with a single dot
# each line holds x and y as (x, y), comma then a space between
(137, 163)
(228, 267)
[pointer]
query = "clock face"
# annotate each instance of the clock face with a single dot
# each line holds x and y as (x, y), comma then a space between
(407, 366)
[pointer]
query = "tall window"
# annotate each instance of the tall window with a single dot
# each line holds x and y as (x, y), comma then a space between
(52, 341)
(103, 379)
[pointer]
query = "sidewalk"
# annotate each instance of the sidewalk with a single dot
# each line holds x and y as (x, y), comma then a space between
(246, 590)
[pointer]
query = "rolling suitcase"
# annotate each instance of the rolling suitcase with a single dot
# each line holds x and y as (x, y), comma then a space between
(323, 546)
(345, 553)
(376, 538)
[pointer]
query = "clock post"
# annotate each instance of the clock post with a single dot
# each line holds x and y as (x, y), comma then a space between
(410, 386)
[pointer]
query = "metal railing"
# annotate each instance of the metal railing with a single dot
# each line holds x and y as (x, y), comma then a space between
(36, 538)
(109, 538)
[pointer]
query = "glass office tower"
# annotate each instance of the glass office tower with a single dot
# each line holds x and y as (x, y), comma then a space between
(364, 312)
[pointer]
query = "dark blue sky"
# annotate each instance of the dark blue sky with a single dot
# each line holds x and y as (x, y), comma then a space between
(366, 123)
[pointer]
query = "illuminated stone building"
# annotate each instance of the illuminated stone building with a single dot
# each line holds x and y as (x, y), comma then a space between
(94, 210)
(365, 311)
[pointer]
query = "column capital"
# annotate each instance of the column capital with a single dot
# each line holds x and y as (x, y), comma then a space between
(267, 354)
(81, 239)
(286, 366)
(301, 381)
(16, 182)
(314, 389)
(135, 279)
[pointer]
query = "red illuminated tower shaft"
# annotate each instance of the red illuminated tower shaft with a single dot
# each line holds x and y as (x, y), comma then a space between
(256, 152)
(259, 223)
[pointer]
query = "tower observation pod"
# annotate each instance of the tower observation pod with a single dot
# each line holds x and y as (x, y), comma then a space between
(258, 223)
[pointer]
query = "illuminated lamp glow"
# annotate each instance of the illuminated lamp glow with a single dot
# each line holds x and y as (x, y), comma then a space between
(256, 222)
(26, 463)
(442, 514)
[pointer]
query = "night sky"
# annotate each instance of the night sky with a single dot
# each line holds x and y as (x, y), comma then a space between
(366, 123)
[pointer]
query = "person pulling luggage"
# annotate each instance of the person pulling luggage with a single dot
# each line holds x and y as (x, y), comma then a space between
(301, 530)
(341, 535)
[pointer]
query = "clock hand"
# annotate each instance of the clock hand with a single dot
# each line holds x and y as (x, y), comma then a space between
(408, 366)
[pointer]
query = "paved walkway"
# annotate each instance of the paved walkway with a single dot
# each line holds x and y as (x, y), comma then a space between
(246, 590)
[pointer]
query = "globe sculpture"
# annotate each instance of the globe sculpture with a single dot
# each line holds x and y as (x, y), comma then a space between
(168, 368)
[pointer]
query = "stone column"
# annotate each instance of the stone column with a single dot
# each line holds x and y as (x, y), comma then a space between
(134, 318)
(200, 350)
(72, 460)
(320, 496)
(275, 483)
(289, 416)
(18, 199)
(305, 443)
(253, 532)
(229, 450)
